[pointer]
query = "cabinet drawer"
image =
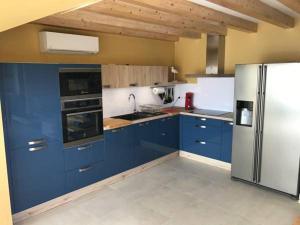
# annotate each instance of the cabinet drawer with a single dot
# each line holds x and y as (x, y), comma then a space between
(190, 121)
(206, 133)
(83, 155)
(204, 148)
(84, 176)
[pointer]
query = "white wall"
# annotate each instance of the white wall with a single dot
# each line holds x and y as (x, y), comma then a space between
(209, 93)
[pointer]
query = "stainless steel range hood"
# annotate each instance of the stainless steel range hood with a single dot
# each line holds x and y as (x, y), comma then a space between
(215, 57)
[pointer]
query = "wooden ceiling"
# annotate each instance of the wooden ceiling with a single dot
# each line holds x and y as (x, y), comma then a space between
(170, 19)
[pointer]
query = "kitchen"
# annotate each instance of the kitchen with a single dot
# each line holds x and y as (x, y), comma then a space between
(137, 161)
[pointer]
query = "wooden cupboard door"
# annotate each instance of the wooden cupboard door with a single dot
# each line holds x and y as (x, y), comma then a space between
(109, 76)
(158, 75)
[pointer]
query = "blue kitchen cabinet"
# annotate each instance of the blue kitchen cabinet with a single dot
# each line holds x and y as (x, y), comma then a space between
(32, 129)
(84, 155)
(119, 150)
(146, 147)
(226, 151)
(37, 176)
(31, 99)
(168, 135)
(201, 136)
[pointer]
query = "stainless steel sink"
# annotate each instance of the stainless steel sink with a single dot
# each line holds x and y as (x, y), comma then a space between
(137, 116)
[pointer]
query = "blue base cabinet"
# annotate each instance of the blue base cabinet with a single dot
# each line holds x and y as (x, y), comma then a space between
(206, 137)
(36, 176)
(84, 165)
(119, 150)
(227, 130)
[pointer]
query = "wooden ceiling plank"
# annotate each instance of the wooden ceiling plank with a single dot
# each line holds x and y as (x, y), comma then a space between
(197, 12)
(130, 11)
(292, 4)
(91, 26)
(88, 16)
(259, 10)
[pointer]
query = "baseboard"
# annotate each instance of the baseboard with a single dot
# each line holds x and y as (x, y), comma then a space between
(86, 190)
(202, 159)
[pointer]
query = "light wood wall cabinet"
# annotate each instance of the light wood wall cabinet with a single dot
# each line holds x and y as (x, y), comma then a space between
(120, 76)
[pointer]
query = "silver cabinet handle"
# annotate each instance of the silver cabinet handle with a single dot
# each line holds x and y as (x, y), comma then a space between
(163, 134)
(203, 143)
(38, 148)
(163, 120)
(141, 124)
(230, 123)
(81, 170)
(81, 148)
(36, 142)
(203, 127)
(203, 119)
(115, 131)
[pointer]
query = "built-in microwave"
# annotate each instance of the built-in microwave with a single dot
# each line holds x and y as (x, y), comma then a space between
(80, 82)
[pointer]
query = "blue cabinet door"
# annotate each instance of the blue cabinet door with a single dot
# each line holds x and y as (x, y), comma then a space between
(119, 150)
(201, 136)
(84, 155)
(168, 134)
(226, 150)
(30, 94)
(37, 176)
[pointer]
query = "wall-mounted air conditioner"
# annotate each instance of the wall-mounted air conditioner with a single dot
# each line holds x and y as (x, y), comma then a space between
(52, 42)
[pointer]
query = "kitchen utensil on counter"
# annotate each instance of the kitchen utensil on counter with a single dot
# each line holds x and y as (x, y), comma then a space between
(189, 96)
(150, 108)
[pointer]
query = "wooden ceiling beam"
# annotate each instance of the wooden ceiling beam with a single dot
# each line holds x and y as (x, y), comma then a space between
(197, 12)
(130, 11)
(292, 4)
(91, 26)
(87, 16)
(259, 10)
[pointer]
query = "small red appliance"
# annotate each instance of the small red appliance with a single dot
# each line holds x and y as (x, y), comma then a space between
(189, 96)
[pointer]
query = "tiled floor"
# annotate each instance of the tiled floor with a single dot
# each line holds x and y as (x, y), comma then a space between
(178, 192)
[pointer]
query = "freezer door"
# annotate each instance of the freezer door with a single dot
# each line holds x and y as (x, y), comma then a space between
(279, 164)
(243, 149)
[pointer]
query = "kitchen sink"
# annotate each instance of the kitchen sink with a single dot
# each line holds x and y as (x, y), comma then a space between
(138, 115)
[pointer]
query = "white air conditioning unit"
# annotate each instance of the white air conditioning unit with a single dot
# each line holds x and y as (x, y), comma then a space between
(52, 42)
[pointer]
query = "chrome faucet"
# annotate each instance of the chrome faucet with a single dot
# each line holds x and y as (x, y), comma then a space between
(133, 96)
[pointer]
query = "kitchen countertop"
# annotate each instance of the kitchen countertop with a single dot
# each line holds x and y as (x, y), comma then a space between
(112, 123)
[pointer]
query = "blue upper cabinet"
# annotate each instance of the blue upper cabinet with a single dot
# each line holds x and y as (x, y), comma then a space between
(31, 100)
(226, 151)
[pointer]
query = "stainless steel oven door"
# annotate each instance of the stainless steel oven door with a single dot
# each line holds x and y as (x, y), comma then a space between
(81, 127)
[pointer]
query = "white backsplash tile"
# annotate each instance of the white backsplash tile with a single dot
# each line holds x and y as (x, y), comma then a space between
(209, 93)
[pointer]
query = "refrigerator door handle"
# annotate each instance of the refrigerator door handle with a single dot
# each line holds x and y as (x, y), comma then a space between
(262, 109)
(257, 124)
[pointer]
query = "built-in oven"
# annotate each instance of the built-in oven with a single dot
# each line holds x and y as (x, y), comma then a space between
(80, 82)
(82, 121)
(81, 105)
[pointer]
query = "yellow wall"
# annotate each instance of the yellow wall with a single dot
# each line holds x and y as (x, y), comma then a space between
(5, 211)
(270, 44)
(17, 12)
(190, 56)
(22, 44)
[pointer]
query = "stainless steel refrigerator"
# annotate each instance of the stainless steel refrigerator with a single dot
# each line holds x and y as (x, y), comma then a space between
(266, 135)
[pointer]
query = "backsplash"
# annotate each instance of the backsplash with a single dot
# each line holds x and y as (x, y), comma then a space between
(210, 93)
